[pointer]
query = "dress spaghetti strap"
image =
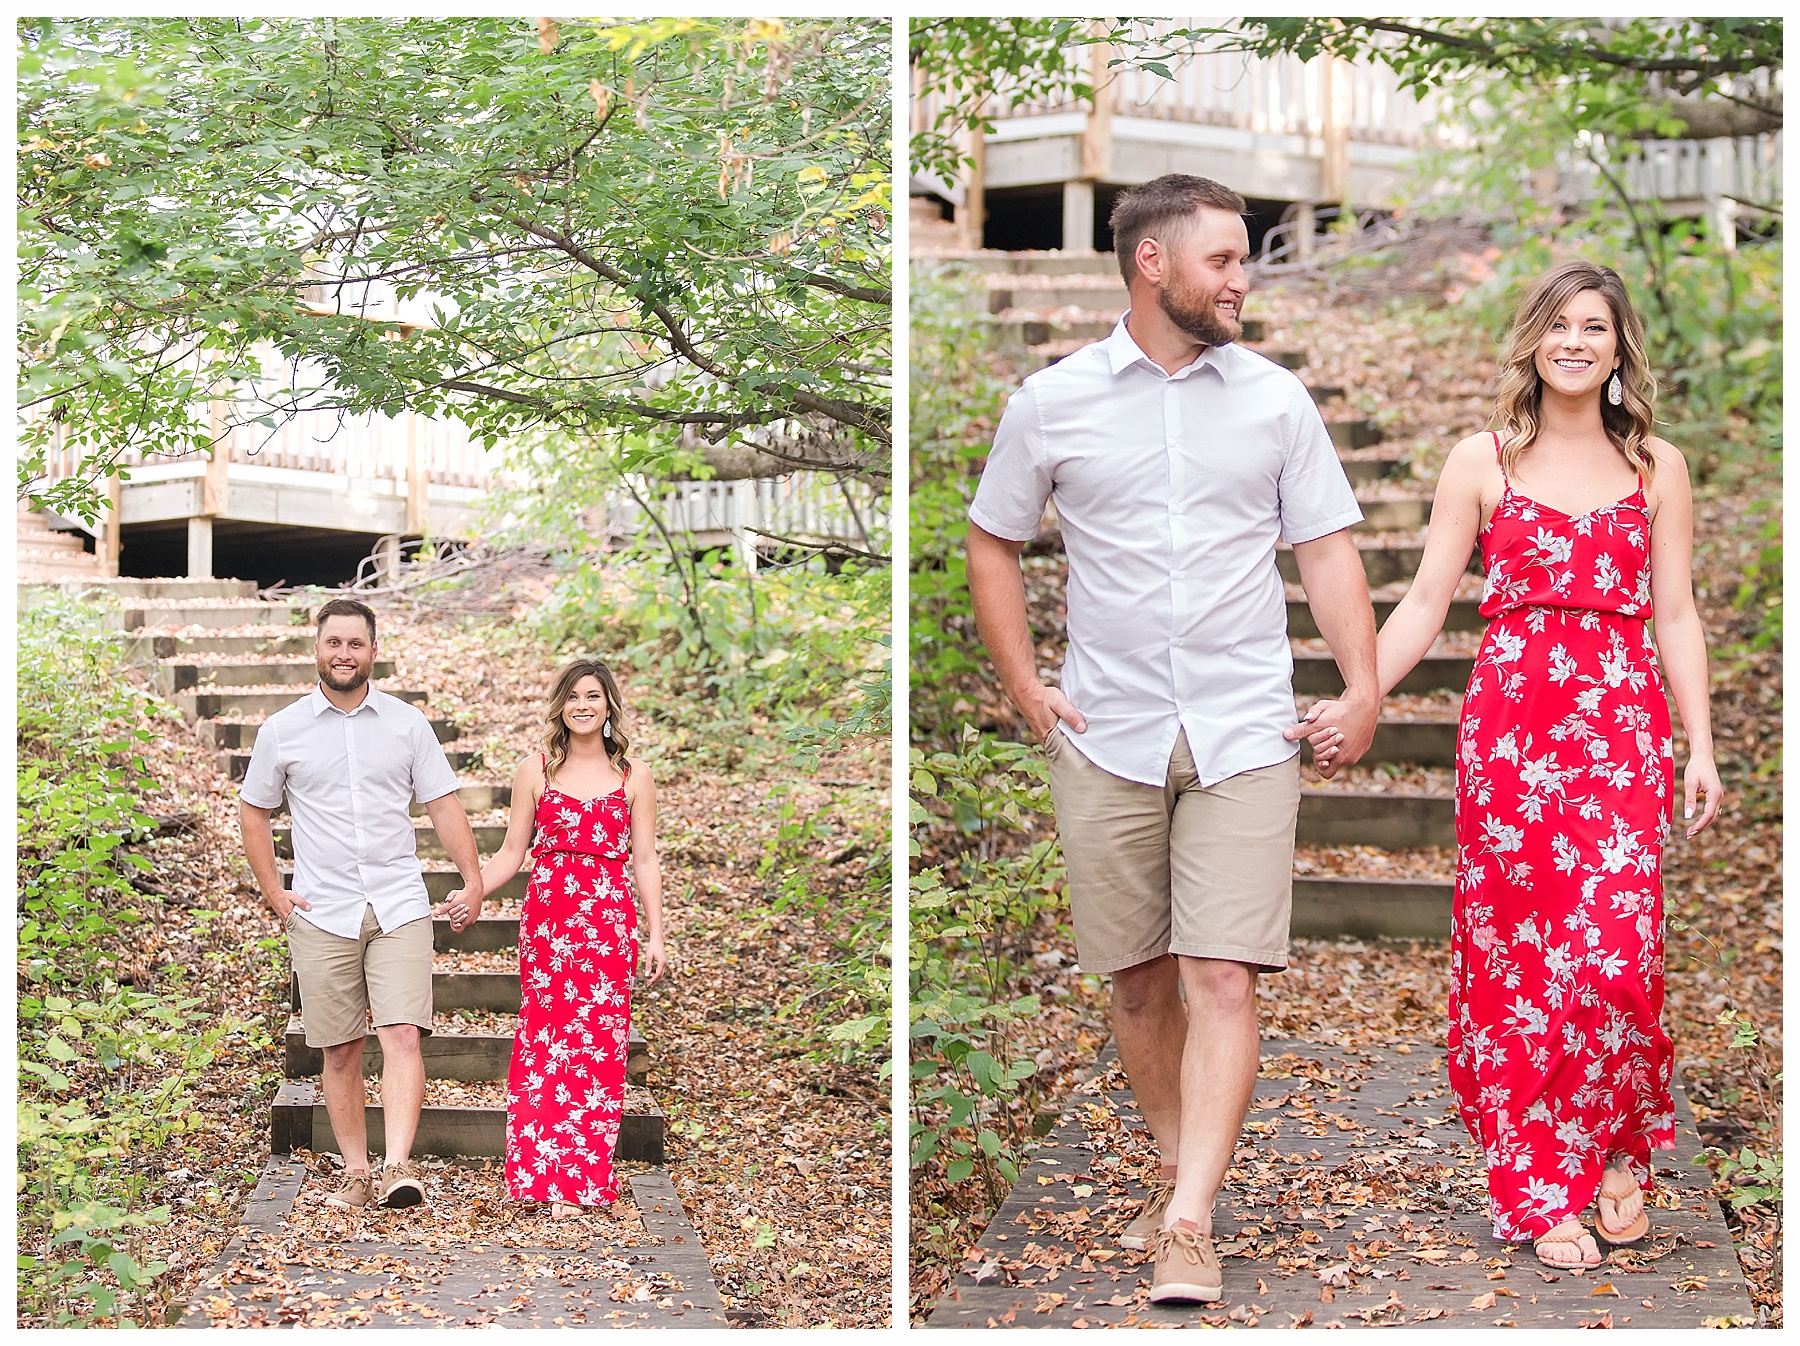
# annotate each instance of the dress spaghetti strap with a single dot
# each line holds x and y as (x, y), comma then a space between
(1496, 435)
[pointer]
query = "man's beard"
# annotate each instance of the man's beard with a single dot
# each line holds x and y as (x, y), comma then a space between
(1200, 321)
(356, 679)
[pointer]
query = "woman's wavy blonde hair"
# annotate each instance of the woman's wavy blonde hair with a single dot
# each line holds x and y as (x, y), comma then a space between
(556, 736)
(1517, 407)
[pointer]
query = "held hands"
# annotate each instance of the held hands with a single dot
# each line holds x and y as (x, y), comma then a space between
(1702, 778)
(462, 908)
(1044, 713)
(655, 957)
(1340, 731)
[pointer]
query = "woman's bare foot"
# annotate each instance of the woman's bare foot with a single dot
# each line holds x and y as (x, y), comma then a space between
(563, 1210)
(1568, 1247)
(1622, 1218)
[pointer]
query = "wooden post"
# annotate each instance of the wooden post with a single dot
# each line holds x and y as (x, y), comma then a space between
(971, 215)
(1096, 155)
(215, 492)
(1078, 215)
(200, 547)
(418, 483)
(1306, 219)
(1334, 171)
(109, 539)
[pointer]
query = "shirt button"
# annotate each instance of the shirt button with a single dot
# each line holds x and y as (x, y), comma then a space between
(1177, 640)
(1177, 574)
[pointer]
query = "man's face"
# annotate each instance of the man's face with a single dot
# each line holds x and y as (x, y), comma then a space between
(344, 652)
(1204, 283)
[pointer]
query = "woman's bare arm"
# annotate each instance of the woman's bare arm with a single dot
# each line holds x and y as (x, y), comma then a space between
(1680, 638)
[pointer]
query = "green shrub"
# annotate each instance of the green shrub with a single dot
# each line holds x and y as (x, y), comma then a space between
(106, 1071)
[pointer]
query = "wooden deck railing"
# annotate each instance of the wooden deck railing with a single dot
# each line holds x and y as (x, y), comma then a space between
(1282, 96)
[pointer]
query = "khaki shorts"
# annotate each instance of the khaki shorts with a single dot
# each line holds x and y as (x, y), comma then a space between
(342, 981)
(1207, 873)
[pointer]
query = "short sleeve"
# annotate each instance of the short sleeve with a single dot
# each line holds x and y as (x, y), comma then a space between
(1315, 495)
(431, 773)
(1016, 482)
(265, 779)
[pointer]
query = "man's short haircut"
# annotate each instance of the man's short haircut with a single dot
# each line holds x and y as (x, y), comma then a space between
(347, 607)
(1147, 211)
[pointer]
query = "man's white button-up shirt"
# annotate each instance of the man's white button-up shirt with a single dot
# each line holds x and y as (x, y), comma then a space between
(1173, 491)
(350, 779)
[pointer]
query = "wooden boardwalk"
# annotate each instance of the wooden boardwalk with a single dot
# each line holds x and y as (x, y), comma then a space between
(279, 1272)
(1356, 1200)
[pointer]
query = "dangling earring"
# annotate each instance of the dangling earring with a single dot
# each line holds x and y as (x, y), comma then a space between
(1615, 391)
(606, 729)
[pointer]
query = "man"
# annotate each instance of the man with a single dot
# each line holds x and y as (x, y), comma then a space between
(1176, 461)
(350, 761)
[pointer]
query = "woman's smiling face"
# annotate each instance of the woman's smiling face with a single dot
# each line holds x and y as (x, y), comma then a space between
(586, 710)
(1580, 349)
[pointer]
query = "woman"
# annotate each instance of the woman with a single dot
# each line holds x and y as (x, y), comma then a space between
(1557, 1052)
(589, 808)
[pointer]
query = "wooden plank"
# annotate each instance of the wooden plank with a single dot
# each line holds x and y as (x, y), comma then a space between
(397, 1275)
(471, 1057)
(464, 1133)
(487, 840)
(1417, 742)
(1391, 1204)
(1393, 822)
(1464, 615)
(1316, 674)
(1330, 908)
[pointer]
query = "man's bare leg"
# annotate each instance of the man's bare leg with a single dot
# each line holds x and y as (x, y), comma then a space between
(1218, 1076)
(346, 1103)
(1150, 1025)
(402, 1088)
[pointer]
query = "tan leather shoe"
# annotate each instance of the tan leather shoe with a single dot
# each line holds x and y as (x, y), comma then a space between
(1141, 1232)
(1187, 1267)
(357, 1193)
(400, 1186)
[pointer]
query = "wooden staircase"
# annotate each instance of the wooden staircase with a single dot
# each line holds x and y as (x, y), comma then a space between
(1042, 307)
(228, 659)
(47, 555)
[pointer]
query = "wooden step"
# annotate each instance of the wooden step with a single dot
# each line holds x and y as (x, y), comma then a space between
(1371, 468)
(1329, 908)
(233, 735)
(487, 840)
(176, 676)
(235, 764)
(1317, 674)
(1294, 360)
(1395, 515)
(129, 590)
(1090, 293)
(256, 700)
(1464, 615)
(497, 992)
(439, 884)
(1414, 742)
(1394, 822)
(146, 648)
(1384, 562)
(448, 1055)
(49, 541)
(1355, 433)
(140, 613)
(299, 1121)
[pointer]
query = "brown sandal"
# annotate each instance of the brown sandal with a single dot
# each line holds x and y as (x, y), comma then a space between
(1638, 1227)
(1554, 1239)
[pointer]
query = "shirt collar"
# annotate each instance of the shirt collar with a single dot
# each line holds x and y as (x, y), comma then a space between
(321, 703)
(1122, 352)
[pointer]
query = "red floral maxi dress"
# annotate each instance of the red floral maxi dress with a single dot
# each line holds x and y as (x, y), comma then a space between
(1564, 768)
(577, 952)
